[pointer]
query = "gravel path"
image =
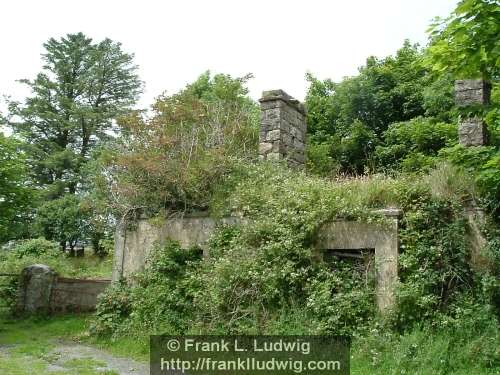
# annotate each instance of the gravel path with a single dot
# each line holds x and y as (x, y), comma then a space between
(67, 351)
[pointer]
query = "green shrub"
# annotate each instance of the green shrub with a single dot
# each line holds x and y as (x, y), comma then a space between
(261, 277)
(158, 300)
(483, 164)
(174, 159)
(412, 145)
(113, 307)
(36, 248)
(341, 300)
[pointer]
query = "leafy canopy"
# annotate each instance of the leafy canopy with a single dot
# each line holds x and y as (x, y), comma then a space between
(466, 43)
(15, 194)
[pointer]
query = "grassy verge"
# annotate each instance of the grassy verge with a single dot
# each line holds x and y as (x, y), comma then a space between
(421, 351)
(26, 345)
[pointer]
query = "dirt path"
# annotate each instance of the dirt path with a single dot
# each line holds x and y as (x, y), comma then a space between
(68, 351)
(72, 358)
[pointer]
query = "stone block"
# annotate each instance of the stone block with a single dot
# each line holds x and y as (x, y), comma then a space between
(273, 135)
(473, 132)
(35, 289)
(265, 147)
(472, 92)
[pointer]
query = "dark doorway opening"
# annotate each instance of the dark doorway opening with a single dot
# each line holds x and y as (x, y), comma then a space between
(362, 261)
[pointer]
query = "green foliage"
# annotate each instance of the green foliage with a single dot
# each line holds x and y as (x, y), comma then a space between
(36, 247)
(262, 277)
(408, 145)
(173, 160)
(435, 265)
(466, 43)
(468, 347)
(83, 86)
(483, 163)
(348, 119)
(113, 308)
(15, 194)
(341, 299)
(62, 220)
(160, 300)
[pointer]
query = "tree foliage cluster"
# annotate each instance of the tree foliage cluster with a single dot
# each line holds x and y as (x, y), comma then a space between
(173, 159)
(83, 87)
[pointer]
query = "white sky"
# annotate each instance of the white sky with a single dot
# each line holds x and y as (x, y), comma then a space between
(175, 41)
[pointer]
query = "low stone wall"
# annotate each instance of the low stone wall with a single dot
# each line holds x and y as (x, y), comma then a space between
(41, 290)
(133, 244)
(76, 295)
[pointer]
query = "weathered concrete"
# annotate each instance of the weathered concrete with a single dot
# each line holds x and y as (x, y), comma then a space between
(473, 132)
(283, 128)
(383, 238)
(133, 244)
(76, 295)
(35, 289)
(42, 291)
(472, 92)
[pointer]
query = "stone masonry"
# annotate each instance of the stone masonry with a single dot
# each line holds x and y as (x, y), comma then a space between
(473, 132)
(283, 128)
(472, 92)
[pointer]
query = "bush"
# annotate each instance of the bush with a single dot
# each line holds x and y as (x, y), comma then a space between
(173, 160)
(62, 220)
(37, 247)
(158, 300)
(483, 164)
(113, 307)
(261, 277)
(412, 145)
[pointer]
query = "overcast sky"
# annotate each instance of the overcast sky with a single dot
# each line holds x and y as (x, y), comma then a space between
(175, 41)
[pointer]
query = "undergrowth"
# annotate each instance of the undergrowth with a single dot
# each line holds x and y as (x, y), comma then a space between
(262, 277)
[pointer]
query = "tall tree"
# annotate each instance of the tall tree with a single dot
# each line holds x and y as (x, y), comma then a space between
(82, 88)
(15, 194)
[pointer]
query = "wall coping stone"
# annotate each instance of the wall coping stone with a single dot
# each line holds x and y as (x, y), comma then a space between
(272, 95)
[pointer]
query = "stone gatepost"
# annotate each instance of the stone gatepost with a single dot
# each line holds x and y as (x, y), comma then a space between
(35, 289)
(283, 128)
(472, 92)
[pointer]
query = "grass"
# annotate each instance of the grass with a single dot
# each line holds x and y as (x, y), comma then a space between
(419, 352)
(424, 351)
(32, 340)
(89, 266)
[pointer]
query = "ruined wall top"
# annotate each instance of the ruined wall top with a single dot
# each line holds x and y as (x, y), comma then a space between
(281, 95)
(283, 128)
(472, 92)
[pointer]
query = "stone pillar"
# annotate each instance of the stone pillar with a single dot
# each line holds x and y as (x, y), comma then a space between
(35, 289)
(283, 128)
(472, 92)
(386, 261)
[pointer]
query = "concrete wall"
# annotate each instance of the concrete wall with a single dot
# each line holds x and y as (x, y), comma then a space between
(349, 235)
(41, 290)
(133, 244)
(76, 295)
